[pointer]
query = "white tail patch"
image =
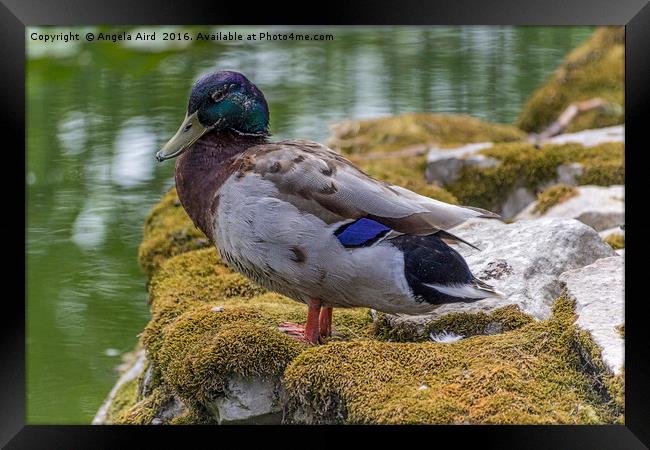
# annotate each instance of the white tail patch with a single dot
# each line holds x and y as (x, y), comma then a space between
(465, 290)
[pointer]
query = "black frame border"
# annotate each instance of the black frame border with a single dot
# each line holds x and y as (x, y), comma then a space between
(15, 15)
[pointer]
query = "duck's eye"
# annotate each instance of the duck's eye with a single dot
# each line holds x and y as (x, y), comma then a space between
(187, 127)
(219, 95)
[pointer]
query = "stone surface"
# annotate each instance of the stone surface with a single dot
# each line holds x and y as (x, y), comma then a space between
(569, 173)
(444, 164)
(610, 231)
(523, 260)
(516, 201)
(248, 400)
(170, 410)
(597, 206)
(599, 292)
(590, 138)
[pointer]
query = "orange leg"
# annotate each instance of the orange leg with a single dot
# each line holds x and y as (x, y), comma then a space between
(312, 328)
(326, 321)
(310, 332)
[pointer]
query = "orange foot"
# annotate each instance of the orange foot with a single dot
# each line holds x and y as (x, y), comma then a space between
(299, 332)
(309, 332)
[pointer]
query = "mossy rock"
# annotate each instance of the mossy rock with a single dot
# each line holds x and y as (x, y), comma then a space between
(594, 69)
(125, 397)
(552, 196)
(464, 324)
(531, 375)
(524, 165)
(168, 231)
(397, 132)
(209, 323)
(616, 240)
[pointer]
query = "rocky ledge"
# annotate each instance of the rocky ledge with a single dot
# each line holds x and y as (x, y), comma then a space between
(548, 353)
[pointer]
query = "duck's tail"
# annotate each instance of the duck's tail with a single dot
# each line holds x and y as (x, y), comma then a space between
(474, 290)
(485, 288)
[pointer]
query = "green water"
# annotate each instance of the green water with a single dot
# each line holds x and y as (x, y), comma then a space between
(97, 112)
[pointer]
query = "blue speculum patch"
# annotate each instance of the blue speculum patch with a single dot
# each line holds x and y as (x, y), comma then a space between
(361, 232)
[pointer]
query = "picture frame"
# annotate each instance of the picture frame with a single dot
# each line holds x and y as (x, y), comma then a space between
(15, 16)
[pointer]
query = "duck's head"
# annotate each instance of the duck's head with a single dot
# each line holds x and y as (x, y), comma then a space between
(219, 101)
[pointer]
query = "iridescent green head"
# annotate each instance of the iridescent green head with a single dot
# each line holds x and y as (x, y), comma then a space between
(219, 101)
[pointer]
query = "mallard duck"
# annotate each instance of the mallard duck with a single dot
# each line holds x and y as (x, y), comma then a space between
(299, 219)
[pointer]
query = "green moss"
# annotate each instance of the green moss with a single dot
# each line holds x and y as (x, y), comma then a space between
(397, 132)
(523, 165)
(209, 324)
(149, 408)
(125, 397)
(466, 324)
(552, 196)
(168, 231)
(592, 70)
(531, 374)
(616, 240)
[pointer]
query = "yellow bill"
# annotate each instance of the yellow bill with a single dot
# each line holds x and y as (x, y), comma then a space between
(189, 132)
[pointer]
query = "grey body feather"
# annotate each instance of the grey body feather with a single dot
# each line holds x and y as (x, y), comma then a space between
(278, 211)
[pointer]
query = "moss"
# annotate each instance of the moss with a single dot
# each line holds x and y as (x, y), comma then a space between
(209, 323)
(523, 165)
(405, 172)
(125, 397)
(168, 231)
(531, 375)
(552, 196)
(466, 324)
(616, 240)
(595, 69)
(397, 132)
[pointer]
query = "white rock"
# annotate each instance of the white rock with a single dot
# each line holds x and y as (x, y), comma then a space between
(591, 138)
(621, 252)
(569, 173)
(523, 260)
(597, 206)
(250, 400)
(599, 292)
(516, 201)
(444, 164)
(170, 410)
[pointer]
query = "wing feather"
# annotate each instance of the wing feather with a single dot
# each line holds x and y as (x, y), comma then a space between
(318, 180)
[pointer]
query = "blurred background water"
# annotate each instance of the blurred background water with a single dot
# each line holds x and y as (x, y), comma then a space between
(97, 112)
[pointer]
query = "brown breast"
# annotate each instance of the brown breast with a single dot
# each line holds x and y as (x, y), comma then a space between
(204, 167)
